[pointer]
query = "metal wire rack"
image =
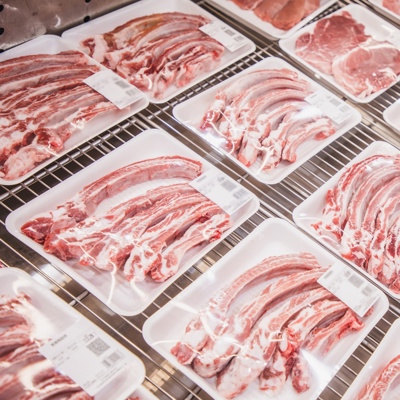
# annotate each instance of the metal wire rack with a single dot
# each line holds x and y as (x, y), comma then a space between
(276, 201)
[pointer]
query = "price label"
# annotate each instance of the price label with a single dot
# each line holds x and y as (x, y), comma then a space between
(350, 287)
(85, 354)
(114, 88)
(225, 192)
(224, 34)
(333, 107)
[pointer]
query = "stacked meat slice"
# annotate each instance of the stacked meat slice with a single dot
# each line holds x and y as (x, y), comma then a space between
(263, 117)
(43, 101)
(339, 46)
(282, 14)
(24, 373)
(157, 51)
(240, 337)
(362, 214)
(147, 234)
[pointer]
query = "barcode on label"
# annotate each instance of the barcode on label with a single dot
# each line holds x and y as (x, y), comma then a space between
(230, 186)
(240, 193)
(368, 291)
(335, 102)
(98, 346)
(122, 84)
(229, 32)
(355, 281)
(112, 359)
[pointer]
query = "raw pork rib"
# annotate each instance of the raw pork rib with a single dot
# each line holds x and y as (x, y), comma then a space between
(44, 102)
(264, 118)
(362, 215)
(257, 325)
(378, 387)
(156, 52)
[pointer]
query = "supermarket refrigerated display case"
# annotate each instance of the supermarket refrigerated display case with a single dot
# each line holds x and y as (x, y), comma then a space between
(277, 200)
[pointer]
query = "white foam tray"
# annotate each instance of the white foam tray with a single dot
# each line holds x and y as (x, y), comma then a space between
(375, 26)
(392, 115)
(146, 7)
(112, 289)
(310, 210)
(191, 112)
(388, 348)
(265, 28)
(272, 237)
(51, 44)
(54, 316)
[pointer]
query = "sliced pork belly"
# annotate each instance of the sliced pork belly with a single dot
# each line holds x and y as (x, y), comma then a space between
(367, 68)
(331, 37)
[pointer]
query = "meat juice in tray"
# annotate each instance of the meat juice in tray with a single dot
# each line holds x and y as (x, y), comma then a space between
(280, 266)
(40, 317)
(184, 45)
(42, 120)
(353, 49)
(355, 214)
(262, 23)
(269, 118)
(146, 214)
(375, 374)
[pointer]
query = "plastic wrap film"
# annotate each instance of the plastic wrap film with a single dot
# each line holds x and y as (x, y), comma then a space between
(166, 378)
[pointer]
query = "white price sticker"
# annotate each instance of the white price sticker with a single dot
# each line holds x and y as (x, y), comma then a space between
(114, 88)
(333, 107)
(225, 192)
(350, 287)
(85, 354)
(224, 34)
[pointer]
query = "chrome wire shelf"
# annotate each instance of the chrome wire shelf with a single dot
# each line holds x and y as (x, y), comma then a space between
(276, 201)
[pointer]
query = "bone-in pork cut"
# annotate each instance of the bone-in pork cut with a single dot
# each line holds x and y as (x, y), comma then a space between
(85, 201)
(281, 14)
(392, 5)
(158, 51)
(147, 235)
(255, 113)
(367, 68)
(258, 348)
(380, 385)
(221, 348)
(44, 102)
(361, 214)
(198, 330)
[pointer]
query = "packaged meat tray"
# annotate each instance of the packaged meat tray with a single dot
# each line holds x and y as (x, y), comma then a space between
(269, 118)
(392, 115)
(356, 214)
(48, 108)
(132, 222)
(353, 49)
(379, 377)
(49, 349)
(389, 8)
(288, 18)
(265, 326)
(163, 48)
